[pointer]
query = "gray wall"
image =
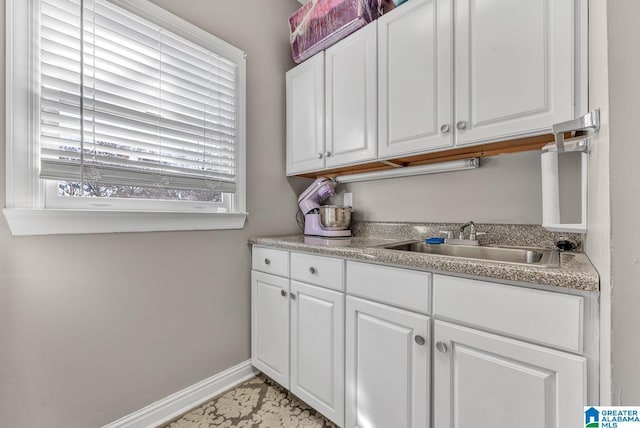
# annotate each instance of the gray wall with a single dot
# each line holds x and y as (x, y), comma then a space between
(93, 327)
(505, 189)
(624, 90)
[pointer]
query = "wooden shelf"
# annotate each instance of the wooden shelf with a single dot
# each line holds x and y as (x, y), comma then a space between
(479, 151)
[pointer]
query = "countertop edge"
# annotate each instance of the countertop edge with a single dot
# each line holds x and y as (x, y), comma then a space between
(576, 271)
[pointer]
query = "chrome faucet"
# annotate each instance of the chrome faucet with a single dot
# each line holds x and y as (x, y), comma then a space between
(472, 230)
(461, 240)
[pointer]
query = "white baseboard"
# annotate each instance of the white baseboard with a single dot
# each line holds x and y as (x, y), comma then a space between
(170, 407)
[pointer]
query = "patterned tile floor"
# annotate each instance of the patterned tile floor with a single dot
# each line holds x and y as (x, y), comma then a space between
(258, 402)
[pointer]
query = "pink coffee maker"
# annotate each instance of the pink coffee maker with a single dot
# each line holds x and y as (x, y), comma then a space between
(334, 221)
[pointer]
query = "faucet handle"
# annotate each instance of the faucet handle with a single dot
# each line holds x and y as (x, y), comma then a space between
(449, 233)
(474, 235)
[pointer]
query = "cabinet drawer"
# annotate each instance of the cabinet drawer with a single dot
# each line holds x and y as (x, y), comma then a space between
(271, 261)
(323, 271)
(549, 318)
(405, 288)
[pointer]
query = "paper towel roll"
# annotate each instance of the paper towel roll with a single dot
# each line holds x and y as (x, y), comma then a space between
(550, 188)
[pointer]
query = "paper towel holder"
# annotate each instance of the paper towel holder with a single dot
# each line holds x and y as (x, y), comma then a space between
(588, 122)
(579, 142)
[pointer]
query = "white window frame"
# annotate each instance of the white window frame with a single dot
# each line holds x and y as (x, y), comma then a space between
(26, 210)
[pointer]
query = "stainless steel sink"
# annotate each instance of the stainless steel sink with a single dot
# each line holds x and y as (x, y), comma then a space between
(526, 256)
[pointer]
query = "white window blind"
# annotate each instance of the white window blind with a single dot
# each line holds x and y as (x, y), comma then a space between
(126, 102)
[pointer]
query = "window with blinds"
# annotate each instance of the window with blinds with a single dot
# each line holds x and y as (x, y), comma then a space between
(129, 109)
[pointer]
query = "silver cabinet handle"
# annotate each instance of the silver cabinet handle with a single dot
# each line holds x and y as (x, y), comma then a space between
(293, 296)
(420, 340)
(442, 347)
(327, 154)
(267, 261)
(320, 155)
(283, 293)
(312, 270)
(461, 125)
(444, 129)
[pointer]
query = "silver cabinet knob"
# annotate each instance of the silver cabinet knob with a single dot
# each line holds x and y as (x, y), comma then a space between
(283, 293)
(320, 155)
(442, 347)
(312, 270)
(461, 125)
(327, 154)
(420, 340)
(444, 129)
(267, 261)
(293, 296)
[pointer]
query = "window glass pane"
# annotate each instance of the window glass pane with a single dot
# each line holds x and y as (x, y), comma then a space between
(133, 107)
(97, 190)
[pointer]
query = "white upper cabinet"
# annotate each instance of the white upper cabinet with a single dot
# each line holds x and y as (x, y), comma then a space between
(332, 106)
(305, 116)
(446, 74)
(514, 67)
(351, 102)
(415, 73)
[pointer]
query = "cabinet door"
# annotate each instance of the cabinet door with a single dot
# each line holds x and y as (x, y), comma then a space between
(351, 99)
(270, 326)
(305, 116)
(483, 380)
(317, 349)
(387, 366)
(415, 73)
(514, 70)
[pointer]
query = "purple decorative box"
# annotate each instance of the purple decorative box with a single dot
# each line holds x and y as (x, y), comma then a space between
(321, 23)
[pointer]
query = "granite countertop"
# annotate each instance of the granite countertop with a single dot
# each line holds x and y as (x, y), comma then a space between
(575, 270)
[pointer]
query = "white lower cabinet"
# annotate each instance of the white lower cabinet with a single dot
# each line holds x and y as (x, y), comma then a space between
(270, 326)
(503, 356)
(508, 366)
(387, 366)
(483, 380)
(317, 348)
(297, 329)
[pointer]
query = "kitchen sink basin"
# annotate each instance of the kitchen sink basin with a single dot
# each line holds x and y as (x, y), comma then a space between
(519, 255)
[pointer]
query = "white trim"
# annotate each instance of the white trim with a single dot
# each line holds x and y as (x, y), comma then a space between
(25, 193)
(170, 407)
(165, 19)
(581, 72)
(23, 189)
(54, 222)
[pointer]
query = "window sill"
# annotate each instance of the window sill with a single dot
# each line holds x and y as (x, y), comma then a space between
(24, 222)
